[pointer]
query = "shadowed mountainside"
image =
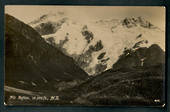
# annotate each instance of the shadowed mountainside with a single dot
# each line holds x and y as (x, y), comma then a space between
(32, 63)
(128, 83)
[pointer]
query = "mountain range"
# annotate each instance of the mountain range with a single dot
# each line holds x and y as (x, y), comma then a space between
(106, 62)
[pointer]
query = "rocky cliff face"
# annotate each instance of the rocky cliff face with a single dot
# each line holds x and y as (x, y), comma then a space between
(142, 57)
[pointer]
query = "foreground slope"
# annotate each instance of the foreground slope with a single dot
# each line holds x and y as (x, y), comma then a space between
(31, 63)
(129, 82)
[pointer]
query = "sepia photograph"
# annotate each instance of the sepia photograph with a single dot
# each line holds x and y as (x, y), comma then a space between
(58, 55)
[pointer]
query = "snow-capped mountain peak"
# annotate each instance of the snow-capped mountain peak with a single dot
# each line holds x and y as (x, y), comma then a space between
(96, 46)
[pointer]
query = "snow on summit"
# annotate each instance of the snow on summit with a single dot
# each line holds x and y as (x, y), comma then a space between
(97, 44)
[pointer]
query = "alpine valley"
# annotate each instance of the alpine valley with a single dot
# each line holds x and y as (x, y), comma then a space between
(117, 61)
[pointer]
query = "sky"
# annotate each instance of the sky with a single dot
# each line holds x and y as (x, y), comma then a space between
(28, 13)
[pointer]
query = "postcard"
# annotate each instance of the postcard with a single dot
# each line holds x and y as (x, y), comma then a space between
(84, 55)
